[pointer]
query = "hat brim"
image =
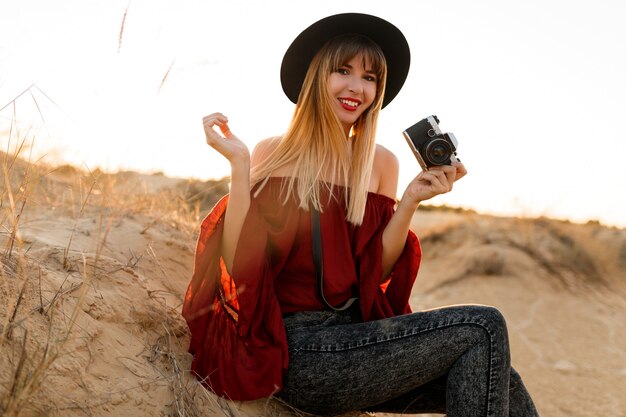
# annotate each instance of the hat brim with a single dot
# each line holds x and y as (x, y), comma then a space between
(302, 50)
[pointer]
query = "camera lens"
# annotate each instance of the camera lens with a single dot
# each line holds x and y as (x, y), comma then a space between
(438, 152)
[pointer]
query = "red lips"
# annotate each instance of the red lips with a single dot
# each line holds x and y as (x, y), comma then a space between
(349, 104)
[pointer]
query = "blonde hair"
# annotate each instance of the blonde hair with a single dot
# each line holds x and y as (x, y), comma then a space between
(316, 140)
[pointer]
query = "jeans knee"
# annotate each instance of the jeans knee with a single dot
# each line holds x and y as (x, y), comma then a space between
(493, 318)
(495, 324)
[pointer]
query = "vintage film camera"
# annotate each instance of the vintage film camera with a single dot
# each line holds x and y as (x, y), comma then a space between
(430, 146)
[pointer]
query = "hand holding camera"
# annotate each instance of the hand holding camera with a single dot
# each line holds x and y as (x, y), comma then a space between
(435, 151)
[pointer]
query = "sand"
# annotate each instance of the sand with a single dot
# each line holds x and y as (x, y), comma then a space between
(92, 287)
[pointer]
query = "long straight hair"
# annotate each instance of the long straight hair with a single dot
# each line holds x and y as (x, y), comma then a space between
(315, 141)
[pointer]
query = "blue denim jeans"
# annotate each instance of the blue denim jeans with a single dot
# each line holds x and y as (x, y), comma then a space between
(453, 360)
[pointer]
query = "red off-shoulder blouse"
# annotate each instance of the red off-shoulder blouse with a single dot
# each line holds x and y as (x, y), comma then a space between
(238, 340)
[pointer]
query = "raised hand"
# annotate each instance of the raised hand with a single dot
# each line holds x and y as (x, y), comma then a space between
(226, 143)
(437, 180)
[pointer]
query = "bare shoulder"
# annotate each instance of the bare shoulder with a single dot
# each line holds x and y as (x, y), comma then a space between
(384, 156)
(263, 149)
(385, 171)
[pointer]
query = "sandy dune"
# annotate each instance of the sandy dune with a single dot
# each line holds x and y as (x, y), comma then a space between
(94, 273)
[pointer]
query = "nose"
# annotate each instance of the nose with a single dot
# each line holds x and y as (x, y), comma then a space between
(355, 85)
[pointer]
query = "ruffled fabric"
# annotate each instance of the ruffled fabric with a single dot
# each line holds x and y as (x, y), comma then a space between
(238, 340)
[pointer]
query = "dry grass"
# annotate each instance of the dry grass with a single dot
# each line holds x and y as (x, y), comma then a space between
(51, 293)
(27, 358)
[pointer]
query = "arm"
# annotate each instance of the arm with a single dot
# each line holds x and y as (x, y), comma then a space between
(386, 168)
(236, 211)
(233, 149)
(425, 185)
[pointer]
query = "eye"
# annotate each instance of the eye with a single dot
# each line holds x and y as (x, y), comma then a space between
(371, 78)
(342, 71)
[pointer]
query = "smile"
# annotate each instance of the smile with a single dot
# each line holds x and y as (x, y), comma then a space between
(349, 104)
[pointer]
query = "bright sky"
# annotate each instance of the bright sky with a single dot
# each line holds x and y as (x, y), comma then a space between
(535, 91)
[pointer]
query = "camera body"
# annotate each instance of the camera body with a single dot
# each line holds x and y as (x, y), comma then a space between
(429, 144)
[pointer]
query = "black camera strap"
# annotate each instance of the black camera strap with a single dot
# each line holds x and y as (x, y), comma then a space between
(316, 237)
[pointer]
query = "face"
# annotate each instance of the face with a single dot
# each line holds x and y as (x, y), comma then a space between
(352, 87)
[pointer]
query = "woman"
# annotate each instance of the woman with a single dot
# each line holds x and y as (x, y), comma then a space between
(271, 305)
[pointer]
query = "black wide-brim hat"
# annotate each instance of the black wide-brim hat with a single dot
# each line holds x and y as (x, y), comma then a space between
(302, 50)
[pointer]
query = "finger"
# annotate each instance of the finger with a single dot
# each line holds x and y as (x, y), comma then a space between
(209, 122)
(461, 171)
(213, 122)
(442, 178)
(450, 172)
(216, 115)
(212, 137)
(437, 180)
(226, 131)
(446, 169)
(214, 119)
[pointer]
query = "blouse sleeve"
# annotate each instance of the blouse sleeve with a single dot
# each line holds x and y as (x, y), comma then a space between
(238, 340)
(390, 298)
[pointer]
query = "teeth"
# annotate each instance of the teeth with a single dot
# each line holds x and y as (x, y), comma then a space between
(350, 102)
